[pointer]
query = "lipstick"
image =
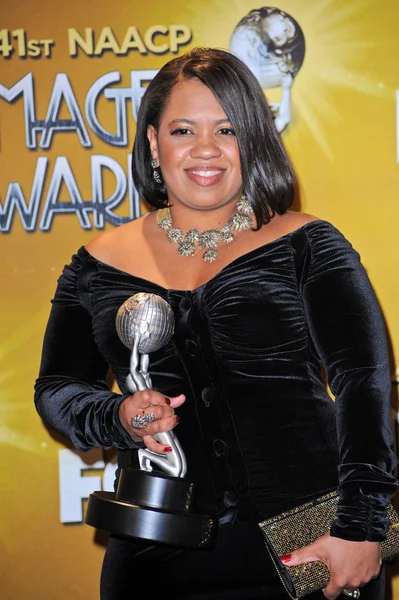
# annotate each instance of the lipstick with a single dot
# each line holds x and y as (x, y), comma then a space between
(205, 176)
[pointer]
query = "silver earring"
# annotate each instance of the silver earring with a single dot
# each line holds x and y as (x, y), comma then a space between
(156, 174)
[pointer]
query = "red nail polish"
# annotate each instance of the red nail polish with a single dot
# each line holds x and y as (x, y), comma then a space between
(167, 401)
(168, 449)
(286, 558)
(177, 418)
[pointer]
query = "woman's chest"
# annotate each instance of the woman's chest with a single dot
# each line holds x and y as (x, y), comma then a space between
(251, 309)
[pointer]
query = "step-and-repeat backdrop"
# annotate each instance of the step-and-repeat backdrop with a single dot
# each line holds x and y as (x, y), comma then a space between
(72, 77)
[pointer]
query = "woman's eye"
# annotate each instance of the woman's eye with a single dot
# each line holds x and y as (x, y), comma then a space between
(180, 131)
(227, 131)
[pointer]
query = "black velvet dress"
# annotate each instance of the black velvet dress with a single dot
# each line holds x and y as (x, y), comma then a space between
(259, 430)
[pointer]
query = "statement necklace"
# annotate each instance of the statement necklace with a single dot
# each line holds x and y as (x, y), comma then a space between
(209, 239)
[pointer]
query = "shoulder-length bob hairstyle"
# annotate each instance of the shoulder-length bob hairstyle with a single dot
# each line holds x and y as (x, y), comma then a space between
(267, 173)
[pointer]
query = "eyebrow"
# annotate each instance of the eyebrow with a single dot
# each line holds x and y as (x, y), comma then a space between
(189, 122)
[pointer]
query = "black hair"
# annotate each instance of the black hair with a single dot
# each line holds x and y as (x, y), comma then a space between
(267, 173)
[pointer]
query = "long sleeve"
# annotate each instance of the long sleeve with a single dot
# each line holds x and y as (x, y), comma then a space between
(348, 333)
(71, 393)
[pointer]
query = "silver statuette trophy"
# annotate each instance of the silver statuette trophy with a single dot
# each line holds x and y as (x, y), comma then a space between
(148, 504)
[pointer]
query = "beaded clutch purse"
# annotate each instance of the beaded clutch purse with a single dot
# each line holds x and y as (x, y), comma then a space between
(299, 527)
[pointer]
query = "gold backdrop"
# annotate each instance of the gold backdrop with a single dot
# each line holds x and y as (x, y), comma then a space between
(71, 78)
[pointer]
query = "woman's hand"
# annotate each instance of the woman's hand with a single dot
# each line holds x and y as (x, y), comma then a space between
(150, 402)
(351, 564)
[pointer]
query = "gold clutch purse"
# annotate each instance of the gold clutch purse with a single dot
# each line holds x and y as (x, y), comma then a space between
(301, 526)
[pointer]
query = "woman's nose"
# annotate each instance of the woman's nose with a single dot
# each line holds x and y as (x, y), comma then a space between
(205, 146)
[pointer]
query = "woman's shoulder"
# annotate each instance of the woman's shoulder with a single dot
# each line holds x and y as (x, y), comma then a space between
(295, 220)
(109, 245)
(324, 239)
(328, 246)
(288, 223)
(316, 228)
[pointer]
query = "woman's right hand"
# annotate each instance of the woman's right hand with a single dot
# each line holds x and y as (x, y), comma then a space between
(150, 402)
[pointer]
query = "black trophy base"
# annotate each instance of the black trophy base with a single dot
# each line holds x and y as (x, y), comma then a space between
(152, 506)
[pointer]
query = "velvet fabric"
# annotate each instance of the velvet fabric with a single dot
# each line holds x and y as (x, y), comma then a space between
(238, 568)
(259, 430)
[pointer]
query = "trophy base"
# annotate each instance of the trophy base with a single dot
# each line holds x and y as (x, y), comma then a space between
(152, 506)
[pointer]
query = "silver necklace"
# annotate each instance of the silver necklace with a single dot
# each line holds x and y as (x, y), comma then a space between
(208, 240)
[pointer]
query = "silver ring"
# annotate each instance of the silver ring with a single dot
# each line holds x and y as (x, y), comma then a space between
(150, 417)
(353, 594)
(141, 421)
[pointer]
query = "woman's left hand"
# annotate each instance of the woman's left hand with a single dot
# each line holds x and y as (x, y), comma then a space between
(351, 564)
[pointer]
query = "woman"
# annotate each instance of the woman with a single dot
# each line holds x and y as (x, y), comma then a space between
(260, 296)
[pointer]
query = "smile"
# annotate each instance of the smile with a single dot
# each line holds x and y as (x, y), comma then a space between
(205, 177)
(206, 173)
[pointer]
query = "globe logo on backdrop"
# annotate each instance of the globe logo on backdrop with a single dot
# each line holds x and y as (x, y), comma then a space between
(272, 44)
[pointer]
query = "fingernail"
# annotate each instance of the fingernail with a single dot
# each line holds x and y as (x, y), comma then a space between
(167, 401)
(286, 558)
(168, 449)
(177, 418)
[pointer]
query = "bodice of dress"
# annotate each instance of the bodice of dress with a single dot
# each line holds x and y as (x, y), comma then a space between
(259, 429)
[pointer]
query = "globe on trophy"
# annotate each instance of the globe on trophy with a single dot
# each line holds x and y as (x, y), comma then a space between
(152, 505)
(272, 44)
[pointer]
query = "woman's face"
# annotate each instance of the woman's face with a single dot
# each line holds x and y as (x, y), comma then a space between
(278, 28)
(196, 148)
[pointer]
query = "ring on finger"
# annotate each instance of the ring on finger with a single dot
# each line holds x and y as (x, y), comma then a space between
(150, 417)
(352, 593)
(141, 421)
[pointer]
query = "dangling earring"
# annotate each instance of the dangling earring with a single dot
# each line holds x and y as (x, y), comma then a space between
(156, 174)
